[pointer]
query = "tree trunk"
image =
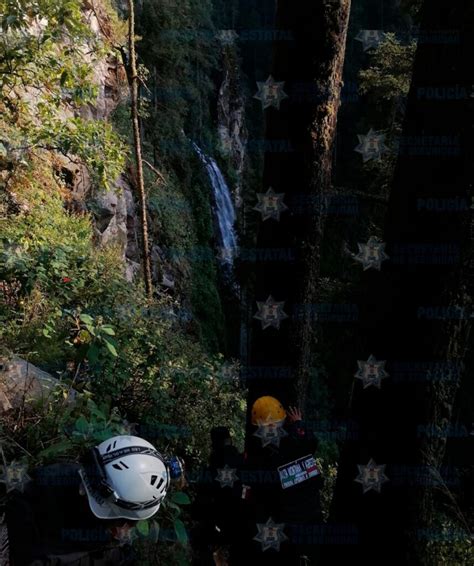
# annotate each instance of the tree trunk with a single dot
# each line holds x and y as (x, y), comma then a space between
(328, 79)
(133, 79)
(298, 140)
(308, 64)
(426, 269)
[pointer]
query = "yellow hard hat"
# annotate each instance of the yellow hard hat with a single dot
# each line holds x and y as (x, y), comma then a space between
(266, 410)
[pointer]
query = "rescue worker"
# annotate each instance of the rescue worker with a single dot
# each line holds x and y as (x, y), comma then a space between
(77, 513)
(218, 501)
(280, 443)
(225, 464)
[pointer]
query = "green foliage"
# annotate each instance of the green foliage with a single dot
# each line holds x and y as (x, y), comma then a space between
(179, 49)
(93, 142)
(180, 498)
(389, 74)
(180, 530)
(59, 427)
(71, 304)
(386, 84)
(43, 50)
(67, 306)
(44, 47)
(412, 7)
(204, 290)
(165, 381)
(43, 66)
(47, 256)
(172, 213)
(168, 527)
(95, 334)
(445, 541)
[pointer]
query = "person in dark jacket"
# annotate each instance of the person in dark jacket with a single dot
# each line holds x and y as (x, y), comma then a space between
(49, 522)
(280, 445)
(83, 514)
(218, 505)
(300, 502)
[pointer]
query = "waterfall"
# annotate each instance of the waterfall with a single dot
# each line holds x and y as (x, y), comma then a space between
(223, 209)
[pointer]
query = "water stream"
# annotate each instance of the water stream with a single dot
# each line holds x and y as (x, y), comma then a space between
(223, 209)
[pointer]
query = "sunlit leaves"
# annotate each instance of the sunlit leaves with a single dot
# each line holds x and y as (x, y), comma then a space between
(47, 54)
(389, 73)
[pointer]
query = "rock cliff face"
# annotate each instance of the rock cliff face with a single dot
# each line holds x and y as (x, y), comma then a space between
(113, 211)
(20, 382)
(231, 117)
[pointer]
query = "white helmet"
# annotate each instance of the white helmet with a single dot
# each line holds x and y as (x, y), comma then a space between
(126, 477)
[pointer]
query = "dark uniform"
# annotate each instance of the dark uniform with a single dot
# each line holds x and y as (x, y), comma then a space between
(51, 523)
(297, 507)
(218, 505)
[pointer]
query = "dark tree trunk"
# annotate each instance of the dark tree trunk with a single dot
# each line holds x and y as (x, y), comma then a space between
(395, 324)
(298, 148)
(328, 80)
(298, 144)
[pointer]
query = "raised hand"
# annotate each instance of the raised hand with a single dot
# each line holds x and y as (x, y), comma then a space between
(294, 414)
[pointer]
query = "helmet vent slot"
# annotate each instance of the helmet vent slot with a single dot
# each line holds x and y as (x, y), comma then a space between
(124, 465)
(117, 466)
(153, 480)
(110, 446)
(160, 483)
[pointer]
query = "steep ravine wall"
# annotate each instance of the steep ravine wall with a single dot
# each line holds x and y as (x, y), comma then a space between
(114, 211)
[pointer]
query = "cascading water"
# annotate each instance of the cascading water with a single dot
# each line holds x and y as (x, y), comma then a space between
(224, 210)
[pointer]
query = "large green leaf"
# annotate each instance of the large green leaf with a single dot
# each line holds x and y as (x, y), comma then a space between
(111, 348)
(86, 319)
(56, 449)
(106, 329)
(143, 528)
(93, 354)
(180, 531)
(180, 498)
(82, 425)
